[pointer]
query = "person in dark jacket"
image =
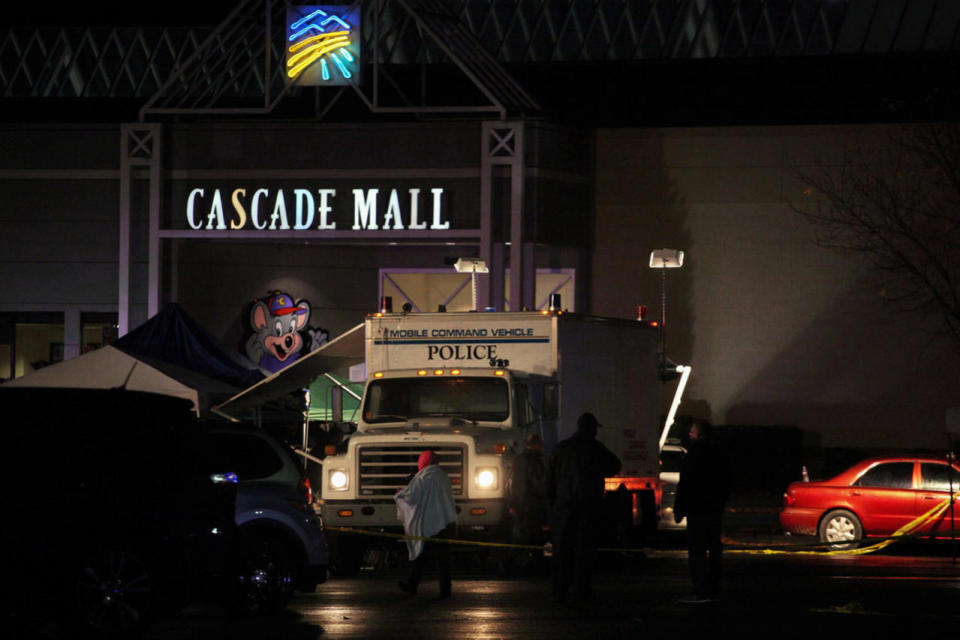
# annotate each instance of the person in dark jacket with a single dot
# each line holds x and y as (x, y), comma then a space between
(575, 484)
(701, 495)
(527, 500)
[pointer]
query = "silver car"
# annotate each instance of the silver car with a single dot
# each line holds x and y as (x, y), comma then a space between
(284, 547)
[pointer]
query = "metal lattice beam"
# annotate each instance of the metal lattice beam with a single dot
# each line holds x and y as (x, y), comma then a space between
(200, 68)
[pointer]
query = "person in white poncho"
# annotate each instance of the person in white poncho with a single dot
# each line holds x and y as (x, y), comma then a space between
(425, 506)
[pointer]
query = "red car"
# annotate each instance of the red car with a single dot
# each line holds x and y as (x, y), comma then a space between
(874, 497)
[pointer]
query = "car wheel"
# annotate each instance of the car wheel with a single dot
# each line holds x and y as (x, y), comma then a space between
(114, 593)
(265, 580)
(841, 529)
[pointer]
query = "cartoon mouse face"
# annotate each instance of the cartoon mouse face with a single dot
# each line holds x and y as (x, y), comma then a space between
(277, 323)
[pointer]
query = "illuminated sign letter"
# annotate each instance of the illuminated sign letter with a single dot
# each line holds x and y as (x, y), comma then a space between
(279, 213)
(393, 212)
(241, 221)
(255, 209)
(437, 193)
(414, 201)
(216, 212)
(324, 209)
(365, 209)
(304, 206)
(190, 204)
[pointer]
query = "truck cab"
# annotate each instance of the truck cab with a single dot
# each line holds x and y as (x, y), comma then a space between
(473, 419)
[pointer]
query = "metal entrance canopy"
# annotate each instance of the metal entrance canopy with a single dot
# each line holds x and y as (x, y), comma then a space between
(252, 39)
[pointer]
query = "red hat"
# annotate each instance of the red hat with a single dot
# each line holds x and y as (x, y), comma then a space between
(427, 458)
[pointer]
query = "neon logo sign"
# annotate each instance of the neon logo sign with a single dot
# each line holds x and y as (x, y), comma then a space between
(323, 45)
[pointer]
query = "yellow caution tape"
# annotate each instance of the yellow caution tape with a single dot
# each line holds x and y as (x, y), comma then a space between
(904, 532)
(403, 536)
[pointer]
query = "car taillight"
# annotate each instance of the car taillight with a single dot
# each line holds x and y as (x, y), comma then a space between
(789, 499)
(305, 489)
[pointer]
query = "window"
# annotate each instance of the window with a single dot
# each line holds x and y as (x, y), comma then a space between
(249, 456)
(472, 398)
(551, 400)
(936, 477)
(670, 460)
(890, 475)
(524, 410)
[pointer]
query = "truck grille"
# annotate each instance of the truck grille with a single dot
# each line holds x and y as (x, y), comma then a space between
(386, 468)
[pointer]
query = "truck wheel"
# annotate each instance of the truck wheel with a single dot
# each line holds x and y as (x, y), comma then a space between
(346, 555)
(647, 508)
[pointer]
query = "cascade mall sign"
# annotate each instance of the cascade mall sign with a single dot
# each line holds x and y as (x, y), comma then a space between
(285, 209)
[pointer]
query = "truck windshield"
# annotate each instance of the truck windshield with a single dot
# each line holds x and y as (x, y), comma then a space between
(391, 400)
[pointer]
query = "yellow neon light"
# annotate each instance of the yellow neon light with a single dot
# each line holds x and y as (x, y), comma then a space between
(312, 55)
(296, 58)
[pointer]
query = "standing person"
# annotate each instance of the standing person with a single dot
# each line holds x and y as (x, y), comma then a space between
(701, 495)
(426, 508)
(527, 499)
(575, 486)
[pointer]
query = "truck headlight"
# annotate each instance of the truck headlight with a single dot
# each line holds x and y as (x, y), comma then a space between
(338, 480)
(487, 478)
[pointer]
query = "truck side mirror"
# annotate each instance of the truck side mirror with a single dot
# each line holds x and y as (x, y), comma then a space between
(551, 401)
(336, 404)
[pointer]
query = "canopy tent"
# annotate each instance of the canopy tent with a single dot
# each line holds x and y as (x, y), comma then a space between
(174, 338)
(337, 355)
(169, 354)
(107, 368)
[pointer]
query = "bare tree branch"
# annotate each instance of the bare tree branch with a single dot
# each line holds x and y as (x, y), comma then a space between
(896, 204)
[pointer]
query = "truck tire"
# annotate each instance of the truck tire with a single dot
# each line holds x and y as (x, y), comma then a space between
(647, 510)
(346, 554)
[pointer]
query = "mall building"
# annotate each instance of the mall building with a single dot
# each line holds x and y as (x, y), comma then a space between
(559, 143)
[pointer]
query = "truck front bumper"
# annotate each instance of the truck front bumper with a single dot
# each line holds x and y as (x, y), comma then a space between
(363, 514)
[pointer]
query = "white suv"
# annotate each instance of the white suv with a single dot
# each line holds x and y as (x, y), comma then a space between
(670, 459)
(285, 547)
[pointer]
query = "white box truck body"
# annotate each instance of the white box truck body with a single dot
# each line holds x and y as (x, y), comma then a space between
(471, 386)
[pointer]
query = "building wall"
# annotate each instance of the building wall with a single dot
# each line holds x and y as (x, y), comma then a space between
(59, 198)
(779, 331)
(60, 211)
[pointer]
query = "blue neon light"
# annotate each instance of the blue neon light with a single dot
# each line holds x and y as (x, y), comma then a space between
(343, 25)
(343, 69)
(318, 12)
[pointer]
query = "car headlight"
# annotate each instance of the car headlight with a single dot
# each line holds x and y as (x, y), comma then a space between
(487, 478)
(338, 480)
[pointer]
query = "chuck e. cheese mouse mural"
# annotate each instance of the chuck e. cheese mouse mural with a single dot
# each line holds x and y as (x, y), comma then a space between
(277, 322)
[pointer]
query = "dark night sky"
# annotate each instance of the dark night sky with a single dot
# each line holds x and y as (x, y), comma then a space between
(757, 90)
(81, 13)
